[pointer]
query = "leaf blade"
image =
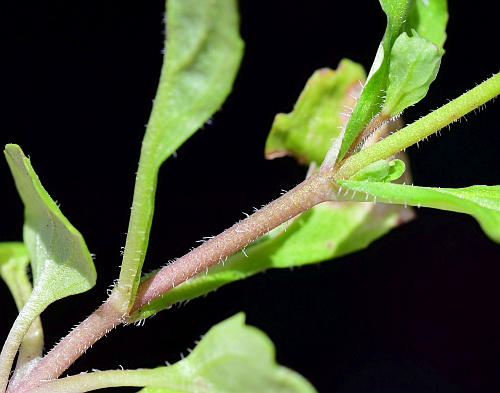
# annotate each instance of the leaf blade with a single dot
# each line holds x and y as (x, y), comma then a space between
(306, 132)
(371, 99)
(231, 357)
(413, 67)
(482, 202)
(428, 19)
(202, 56)
(61, 263)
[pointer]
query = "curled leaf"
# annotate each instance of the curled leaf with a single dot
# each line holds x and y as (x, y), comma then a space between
(321, 110)
(60, 262)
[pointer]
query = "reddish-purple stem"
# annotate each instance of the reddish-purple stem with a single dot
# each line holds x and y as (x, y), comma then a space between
(316, 189)
(312, 191)
(71, 347)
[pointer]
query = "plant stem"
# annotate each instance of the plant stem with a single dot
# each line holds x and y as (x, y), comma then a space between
(315, 189)
(421, 128)
(71, 347)
(21, 325)
(104, 379)
(30, 351)
(141, 217)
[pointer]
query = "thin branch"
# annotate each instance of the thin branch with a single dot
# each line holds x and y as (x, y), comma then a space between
(422, 128)
(103, 379)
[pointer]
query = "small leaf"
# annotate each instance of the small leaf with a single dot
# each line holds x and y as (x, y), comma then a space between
(232, 357)
(413, 67)
(322, 109)
(381, 171)
(14, 260)
(60, 261)
(482, 202)
(396, 170)
(371, 99)
(428, 18)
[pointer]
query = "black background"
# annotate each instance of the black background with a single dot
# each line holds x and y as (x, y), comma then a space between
(416, 312)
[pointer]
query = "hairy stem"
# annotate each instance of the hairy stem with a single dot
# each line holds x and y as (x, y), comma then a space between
(71, 347)
(30, 352)
(141, 217)
(375, 124)
(21, 325)
(316, 189)
(422, 128)
(103, 379)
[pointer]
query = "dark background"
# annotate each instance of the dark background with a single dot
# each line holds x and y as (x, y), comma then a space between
(416, 312)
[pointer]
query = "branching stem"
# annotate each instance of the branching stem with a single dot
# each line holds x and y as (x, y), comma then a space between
(422, 128)
(315, 189)
(319, 187)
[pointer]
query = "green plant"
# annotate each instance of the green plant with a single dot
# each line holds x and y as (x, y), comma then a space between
(350, 175)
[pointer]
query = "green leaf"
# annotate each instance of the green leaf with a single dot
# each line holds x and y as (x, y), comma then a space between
(482, 202)
(371, 99)
(413, 67)
(14, 260)
(322, 109)
(232, 357)
(203, 53)
(421, 128)
(428, 18)
(60, 261)
(381, 171)
(326, 231)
